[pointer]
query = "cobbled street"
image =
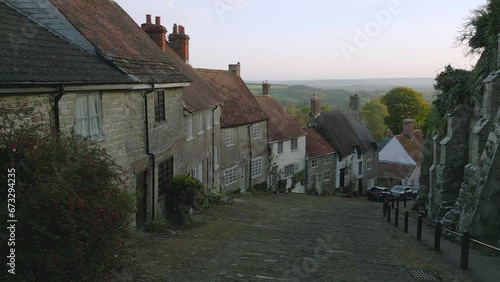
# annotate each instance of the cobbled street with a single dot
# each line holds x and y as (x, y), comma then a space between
(287, 238)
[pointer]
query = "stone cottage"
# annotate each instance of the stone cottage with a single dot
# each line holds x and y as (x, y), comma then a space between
(127, 97)
(357, 153)
(243, 145)
(321, 163)
(202, 108)
(287, 145)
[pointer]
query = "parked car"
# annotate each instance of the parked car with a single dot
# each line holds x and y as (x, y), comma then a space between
(400, 192)
(378, 193)
(397, 191)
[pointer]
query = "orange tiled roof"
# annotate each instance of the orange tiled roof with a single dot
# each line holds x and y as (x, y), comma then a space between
(280, 125)
(316, 145)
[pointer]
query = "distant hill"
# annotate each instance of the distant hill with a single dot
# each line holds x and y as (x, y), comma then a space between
(336, 92)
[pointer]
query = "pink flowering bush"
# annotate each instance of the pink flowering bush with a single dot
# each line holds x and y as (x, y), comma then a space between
(71, 207)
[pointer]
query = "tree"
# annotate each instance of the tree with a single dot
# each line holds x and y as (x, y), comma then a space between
(453, 87)
(373, 114)
(403, 103)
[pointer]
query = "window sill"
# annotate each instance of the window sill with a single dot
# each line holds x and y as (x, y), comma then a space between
(256, 176)
(201, 133)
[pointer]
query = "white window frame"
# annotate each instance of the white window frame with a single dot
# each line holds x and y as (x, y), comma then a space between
(314, 163)
(256, 167)
(230, 175)
(291, 171)
(229, 137)
(328, 159)
(327, 176)
(83, 116)
(189, 127)
(257, 131)
(296, 141)
(280, 147)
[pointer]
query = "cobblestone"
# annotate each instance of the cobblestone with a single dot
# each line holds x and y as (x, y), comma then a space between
(287, 238)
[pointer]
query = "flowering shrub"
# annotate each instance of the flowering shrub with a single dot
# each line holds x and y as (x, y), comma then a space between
(71, 207)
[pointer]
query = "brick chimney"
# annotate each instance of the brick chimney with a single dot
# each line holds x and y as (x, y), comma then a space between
(156, 31)
(315, 105)
(354, 103)
(179, 41)
(235, 68)
(266, 88)
(408, 127)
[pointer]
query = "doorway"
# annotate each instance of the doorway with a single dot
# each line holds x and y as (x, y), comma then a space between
(141, 199)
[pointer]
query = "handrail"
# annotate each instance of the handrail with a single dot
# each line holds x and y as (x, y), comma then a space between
(485, 245)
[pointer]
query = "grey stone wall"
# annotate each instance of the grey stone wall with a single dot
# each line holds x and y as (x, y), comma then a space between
(325, 186)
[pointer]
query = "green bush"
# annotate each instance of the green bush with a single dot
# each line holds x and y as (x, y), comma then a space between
(186, 191)
(71, 207)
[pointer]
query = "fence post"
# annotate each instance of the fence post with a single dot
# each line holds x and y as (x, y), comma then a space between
(392, 203)
(404, 201)
(384, 207)
(464, 254)
(396, 218)
(388, 215)
(407, 215)
(419, 228)
(397, 203)
(437, 237)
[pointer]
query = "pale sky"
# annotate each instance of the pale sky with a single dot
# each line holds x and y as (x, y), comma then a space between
(317, 39)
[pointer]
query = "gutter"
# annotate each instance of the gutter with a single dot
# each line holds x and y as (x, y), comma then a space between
(213, 146)
(55, 108)
(250, 160)
(151, 155)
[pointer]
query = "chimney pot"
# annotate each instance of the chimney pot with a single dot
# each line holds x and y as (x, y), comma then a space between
(266, 88)
(179, 41)
(155, 31)
(157, 20)
(408, 127)
(181, 29)
(148, 19)
(175, 28)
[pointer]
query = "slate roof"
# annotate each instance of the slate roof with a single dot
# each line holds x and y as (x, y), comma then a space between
(240, 106)
(394, 152)
(111, 30)
(413, 146)
(198, 95)
(316, 145)
(30, 53)
(280, 125)
(344, 130)
(395, 171)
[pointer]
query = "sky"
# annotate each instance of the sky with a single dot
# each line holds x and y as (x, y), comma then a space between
(318, 39)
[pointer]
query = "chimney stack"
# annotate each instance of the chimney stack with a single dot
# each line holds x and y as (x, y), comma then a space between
(354, 103)
(388, 133)
(315, 105)
(179, 41)
(408, 127)
(235, 69)
(155, 31)
(266, 88)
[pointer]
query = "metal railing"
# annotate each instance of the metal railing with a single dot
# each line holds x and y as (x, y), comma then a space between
(438, 232)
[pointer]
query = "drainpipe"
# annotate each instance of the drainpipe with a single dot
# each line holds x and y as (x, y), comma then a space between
(55, 108)
(250, 161)
(213, 144)
(151, 155)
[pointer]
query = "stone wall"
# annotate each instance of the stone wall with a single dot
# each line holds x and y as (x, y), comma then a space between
(464, 179)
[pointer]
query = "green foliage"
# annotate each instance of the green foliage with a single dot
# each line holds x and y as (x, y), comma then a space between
(434, 123)
(186, 191)
(298, 177)
(403, 103)
(373, 114)
(70, 203)
(454, 86)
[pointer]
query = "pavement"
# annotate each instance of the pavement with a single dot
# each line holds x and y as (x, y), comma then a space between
(482, 267)
(287, 237)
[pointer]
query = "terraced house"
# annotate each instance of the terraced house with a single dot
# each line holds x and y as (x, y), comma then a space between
(88, 67)
(243, 145)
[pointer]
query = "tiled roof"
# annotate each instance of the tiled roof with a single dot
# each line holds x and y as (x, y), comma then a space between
(413, 146)
(198, 95)
(111, 30)
(395, 171)
(280, 125)
(42, 57)
(240, 106)
(344, 130)
(316, 145)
